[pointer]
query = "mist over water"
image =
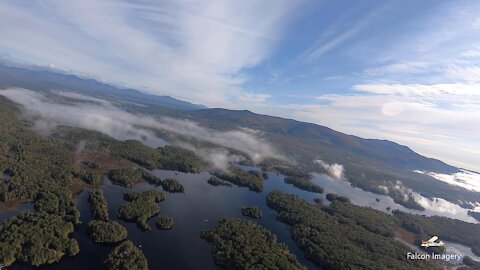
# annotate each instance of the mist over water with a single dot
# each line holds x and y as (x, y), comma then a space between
(434, 207)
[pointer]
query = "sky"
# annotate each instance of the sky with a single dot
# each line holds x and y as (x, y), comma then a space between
(406, 71)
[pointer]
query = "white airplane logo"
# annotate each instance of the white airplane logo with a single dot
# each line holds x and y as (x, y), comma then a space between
(431, 243)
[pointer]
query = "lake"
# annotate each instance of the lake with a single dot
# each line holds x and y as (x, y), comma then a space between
(200, 208)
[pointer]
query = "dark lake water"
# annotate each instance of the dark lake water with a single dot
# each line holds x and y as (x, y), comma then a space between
(200, 208)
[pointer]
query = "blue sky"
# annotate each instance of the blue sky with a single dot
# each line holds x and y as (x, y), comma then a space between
(406, 71)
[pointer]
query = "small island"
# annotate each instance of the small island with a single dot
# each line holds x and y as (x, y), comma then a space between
(172, 186)
(334, 197)
(101, 229)
(303, 183)
(106, 231)
(140, 206)
(98, 205)
(238, 176)
(252, 211)
(126, 256)
(475, 215)
(164, 222)
(215, 181)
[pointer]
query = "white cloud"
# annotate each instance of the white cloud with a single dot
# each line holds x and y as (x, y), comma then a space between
(252, 97)
(465, 179)
(335, 170)
(441, 207)
(422, 90)
(339, 33)
(190, 50)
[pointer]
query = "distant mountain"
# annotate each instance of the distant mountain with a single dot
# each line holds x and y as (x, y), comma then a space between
(323, 142)
(45, 80)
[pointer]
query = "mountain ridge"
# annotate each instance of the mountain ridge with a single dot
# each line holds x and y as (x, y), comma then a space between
(45, 80)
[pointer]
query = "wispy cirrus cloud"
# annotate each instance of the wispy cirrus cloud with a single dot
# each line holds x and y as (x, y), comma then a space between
(418, 85)
(192, 50)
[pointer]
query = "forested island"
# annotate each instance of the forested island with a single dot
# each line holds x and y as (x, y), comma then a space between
(238, 176)
(140, 207)
(101, 229)
(304, 183)
(98, 205)
(475, 215)
(241, 244)
(172, 186)
(252, 211)
(106, 231)
(215, 181)
(298, 178)
(164, 222)
(334, 197)
(126, 256)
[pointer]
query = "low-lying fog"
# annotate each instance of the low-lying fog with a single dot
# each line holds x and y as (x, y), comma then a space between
(434, 207)
(76, 110)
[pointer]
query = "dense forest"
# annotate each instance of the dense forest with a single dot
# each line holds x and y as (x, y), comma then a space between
(126, 176)
(40, 171)
(172, 186)
(303, 183)
(36, 238)
(167, 157)
(238, 176)
(101, 229)
(140, 207)
(98, 205)
(336, 241)
(106, 231)
(126, 256)
(241, 244)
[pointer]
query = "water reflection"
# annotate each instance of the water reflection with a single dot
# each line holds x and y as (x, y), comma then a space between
(200, 208)
(436, 207)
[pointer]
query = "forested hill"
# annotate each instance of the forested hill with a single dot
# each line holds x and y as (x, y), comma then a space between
(322, 142)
